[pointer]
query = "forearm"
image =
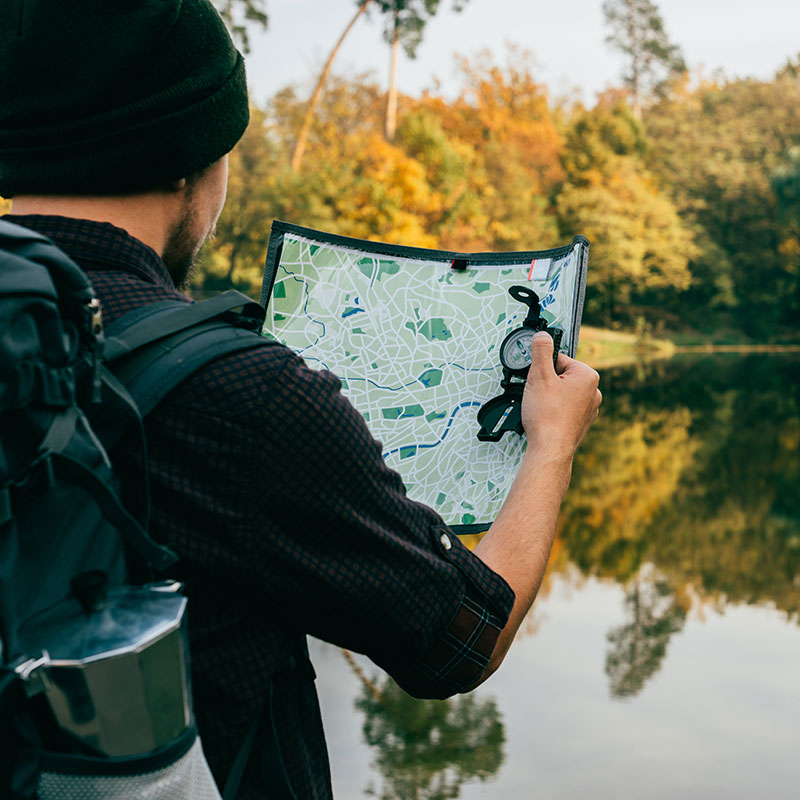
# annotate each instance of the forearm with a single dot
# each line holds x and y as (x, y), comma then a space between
(518, 544)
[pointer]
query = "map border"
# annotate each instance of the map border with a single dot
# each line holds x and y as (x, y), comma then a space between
(509, 258)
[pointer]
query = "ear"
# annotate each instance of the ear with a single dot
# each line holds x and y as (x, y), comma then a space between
(177, 185)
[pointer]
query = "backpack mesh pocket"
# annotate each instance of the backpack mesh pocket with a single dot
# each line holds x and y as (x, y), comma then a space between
(187, 778)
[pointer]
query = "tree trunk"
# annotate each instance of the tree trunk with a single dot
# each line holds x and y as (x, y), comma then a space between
(232, 262)
(300, 146)
(636, 57)
(391, 99)
(636, 88)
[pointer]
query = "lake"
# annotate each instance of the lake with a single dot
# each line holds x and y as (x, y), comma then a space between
(662, 657)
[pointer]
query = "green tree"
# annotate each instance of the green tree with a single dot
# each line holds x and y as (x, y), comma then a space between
(357, 183)
(239, 14)
(406, 21)
(637, 31)
(786, 185)
(449, 168)
(641, 249)
(718, 147)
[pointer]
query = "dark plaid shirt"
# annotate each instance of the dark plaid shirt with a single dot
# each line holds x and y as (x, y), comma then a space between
(269, 486)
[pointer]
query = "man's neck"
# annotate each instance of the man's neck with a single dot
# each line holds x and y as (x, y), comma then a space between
(146, 217)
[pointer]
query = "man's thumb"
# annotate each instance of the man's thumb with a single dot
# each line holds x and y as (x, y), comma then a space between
(542, 355)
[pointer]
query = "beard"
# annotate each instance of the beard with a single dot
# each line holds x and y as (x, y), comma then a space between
(182, 248)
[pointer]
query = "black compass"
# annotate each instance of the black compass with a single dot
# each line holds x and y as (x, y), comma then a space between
(504, 412)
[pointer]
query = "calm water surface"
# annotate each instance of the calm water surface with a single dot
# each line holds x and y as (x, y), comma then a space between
(662, 658)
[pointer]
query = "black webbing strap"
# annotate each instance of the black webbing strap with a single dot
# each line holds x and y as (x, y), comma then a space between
(75, 472)
(152, 373)
(155, 347)
(243, 757)
(111, 421)
(159, 320)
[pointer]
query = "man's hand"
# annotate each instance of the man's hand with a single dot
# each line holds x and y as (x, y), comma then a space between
(559, 405)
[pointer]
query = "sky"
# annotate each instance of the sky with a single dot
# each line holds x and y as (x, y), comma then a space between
(567, 40)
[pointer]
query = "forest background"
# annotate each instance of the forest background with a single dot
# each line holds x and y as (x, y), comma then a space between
(687, 187)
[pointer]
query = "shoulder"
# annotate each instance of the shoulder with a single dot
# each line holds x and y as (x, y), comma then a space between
(255, 386)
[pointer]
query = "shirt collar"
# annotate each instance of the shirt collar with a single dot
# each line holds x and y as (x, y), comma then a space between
(98, 245)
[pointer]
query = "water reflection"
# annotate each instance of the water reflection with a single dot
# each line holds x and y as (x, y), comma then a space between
(694, 468)
(687, 494)
(638, 647)
(427, 749)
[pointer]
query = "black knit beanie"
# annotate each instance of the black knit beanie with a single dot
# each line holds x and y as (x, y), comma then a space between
(111, 96)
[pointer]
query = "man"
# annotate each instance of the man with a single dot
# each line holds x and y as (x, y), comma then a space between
(115, 122)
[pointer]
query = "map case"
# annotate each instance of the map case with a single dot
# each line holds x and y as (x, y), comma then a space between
(413, 335)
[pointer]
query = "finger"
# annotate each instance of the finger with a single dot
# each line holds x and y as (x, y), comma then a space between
(542, 355)
(563, 363)
(577, 370)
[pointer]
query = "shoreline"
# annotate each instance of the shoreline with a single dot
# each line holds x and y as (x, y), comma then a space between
(738, 348)
(602, 348)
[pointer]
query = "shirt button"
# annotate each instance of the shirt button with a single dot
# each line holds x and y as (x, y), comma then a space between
(445, 540)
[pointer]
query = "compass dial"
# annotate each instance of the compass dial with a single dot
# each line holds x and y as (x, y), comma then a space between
(515, 352)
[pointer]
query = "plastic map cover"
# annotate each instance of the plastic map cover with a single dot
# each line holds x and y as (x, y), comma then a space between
(414, 336)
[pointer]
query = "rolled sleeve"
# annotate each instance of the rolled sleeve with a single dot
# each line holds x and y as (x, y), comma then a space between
(458, 658)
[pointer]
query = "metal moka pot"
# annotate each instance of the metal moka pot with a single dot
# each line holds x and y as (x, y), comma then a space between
(113, 664)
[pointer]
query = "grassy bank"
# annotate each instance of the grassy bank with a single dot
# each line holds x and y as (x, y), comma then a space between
(601, 347)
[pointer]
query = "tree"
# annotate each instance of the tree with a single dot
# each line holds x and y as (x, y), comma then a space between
(640, 245)
(358, 184)
(719, 148)
(786, 185)
(502, 126)
(637, 30)
(237, 13)
(406, 20)
(308, 118)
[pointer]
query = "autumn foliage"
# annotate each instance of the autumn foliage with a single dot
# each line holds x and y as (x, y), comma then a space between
(692, 210)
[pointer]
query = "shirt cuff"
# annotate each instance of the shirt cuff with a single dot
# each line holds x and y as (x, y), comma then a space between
(458, 658)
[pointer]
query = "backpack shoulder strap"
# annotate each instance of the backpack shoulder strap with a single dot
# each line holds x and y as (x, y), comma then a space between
(155, 348)
(158, 368)
(158, 320)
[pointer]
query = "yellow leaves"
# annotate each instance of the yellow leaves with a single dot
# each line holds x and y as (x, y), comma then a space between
(637, 236)
(390, 196)
(789, 248)
(497, 168)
